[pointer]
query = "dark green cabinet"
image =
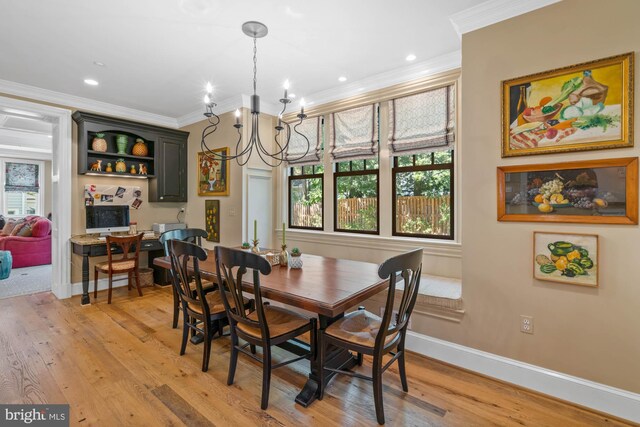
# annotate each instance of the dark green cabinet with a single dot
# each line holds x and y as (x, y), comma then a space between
(165, 162)
(171, 157)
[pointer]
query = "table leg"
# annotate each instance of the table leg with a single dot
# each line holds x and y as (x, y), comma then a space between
(85, 280)
(339, 359)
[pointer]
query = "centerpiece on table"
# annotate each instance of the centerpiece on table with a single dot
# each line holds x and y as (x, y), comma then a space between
(284, 255)
(255, 249)
(295, 261)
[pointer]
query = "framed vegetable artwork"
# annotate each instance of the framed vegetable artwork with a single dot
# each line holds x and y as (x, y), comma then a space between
(213, 174)
(566, 258)
(587, 106)
(594, 191)
(212, 220)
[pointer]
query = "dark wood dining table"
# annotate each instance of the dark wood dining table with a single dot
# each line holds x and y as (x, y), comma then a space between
(325, 286)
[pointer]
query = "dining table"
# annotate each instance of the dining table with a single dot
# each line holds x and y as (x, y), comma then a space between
(325, 286)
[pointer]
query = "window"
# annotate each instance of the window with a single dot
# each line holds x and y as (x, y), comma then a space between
(21, 187)
(306, 194)
(423, 195)
(356, 186)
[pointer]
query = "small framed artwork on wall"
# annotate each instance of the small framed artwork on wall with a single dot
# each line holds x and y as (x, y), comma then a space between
(213, 174)
(566, 258)
(212, 220)
(587, 106)
(594, 191)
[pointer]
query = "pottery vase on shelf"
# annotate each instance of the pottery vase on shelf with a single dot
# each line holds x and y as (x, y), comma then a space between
(121, 166)
(140, 148)
(132, 170)
(121, 143)
(284, 256)
(99, 143)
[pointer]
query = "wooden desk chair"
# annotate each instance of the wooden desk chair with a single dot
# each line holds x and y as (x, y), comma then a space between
(126, 264)
(267, 325)
(366, 333)
(191, 235)
(202, 312)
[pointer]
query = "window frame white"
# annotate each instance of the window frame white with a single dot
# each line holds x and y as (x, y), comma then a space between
(3, 197)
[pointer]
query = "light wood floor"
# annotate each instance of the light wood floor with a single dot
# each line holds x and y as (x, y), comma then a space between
(118, 365)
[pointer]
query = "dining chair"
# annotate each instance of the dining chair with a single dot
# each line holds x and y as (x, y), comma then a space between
(202, 311)
(191, 235)
(125, 264)
(267, 325)
(366, 333)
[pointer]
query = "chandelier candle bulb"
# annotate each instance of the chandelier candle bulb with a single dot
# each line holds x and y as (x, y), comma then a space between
(207, 100)
(209, 88)
(237, 116)
(286, 89)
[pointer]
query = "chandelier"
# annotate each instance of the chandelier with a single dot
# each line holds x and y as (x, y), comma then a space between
(282, 136)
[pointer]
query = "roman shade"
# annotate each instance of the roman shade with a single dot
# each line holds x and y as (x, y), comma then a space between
(295, 154)
(353, 133)
(423, 122)
(22, 177)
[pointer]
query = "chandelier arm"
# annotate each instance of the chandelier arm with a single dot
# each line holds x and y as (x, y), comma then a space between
(283, 147)
(295, 129)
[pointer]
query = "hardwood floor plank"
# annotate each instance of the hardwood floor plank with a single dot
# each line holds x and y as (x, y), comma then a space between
(118, 364)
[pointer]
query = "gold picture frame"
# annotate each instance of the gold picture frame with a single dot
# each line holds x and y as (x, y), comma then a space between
(588, 192)
(568, 258)
(212, 174)
(587, 106)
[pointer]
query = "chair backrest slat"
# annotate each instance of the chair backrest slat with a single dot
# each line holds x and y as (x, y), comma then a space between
(124, 243)
(231, 267)
(191, 235)
(408, 267)
(181, 254)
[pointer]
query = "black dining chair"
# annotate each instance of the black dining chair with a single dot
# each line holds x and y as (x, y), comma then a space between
(266, 326)
(202, 312)
(366, 333)
(191, 235)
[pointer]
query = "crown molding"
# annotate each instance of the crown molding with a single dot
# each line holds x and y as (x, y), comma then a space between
(447, 62)
(225, 106)
(493, 11)
(80, 103)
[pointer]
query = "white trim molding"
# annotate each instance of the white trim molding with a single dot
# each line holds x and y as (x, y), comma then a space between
(600, 397)
(225, 106)
(119, 281)
(442, 248)
(493, 11)
(45, 95)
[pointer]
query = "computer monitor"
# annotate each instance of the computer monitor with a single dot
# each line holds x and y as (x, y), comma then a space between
(107, 219)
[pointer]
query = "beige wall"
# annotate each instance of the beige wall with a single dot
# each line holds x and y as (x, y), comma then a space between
(230, 206)
(590, 333)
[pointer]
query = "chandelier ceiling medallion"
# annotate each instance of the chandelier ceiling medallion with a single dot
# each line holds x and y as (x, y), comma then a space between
(282, 137)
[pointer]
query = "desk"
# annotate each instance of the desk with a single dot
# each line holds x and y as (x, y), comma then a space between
(326, 286)
(90, 246)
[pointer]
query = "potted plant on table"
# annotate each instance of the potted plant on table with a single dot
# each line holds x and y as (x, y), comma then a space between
(295, 261)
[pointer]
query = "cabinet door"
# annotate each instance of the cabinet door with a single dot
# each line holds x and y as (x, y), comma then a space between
(171, 171)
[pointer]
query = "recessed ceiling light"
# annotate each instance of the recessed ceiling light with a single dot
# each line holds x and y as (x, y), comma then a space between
(411, 57)
(98, 63)
(91, 82)
(342, 79)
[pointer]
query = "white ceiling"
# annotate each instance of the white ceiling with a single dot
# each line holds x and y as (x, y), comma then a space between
(158, 54)
(24, 134)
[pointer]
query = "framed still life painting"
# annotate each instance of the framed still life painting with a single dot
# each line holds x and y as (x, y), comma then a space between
(212, 220)
(593, 191)
(566, 258)
(213, 174)
(587, 106)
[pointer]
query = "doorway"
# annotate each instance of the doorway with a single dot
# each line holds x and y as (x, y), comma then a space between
(60, 121)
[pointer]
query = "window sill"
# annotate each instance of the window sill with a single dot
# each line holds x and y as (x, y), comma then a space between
(444, 248)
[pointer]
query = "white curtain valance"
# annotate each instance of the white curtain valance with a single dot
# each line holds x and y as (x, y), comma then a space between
(423, 122)
(311, 128)
(354, 133)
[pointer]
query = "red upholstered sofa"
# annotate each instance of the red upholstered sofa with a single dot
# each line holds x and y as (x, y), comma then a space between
(33, 250)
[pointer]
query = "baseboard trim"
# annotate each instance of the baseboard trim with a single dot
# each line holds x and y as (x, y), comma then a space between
(620, 403)
(103, 284)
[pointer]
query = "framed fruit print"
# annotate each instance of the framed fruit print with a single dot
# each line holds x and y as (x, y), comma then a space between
(213, 174)
(587, 106)
(568, 258)
(212, 220)
(595, 191)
